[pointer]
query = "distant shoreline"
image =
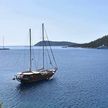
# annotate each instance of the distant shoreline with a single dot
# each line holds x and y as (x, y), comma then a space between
(93, 44)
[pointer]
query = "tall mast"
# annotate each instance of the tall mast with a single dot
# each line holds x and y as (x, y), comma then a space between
(3, 41)
(30, 49)
(43, 42)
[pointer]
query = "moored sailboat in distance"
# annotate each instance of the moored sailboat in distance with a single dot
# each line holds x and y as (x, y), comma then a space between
(43, 73)
(3, 47)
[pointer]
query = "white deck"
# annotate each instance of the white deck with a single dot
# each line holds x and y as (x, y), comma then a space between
(36, 72)
(33, 72)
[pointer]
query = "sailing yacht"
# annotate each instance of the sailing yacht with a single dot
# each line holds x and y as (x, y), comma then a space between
(3, 47)
(30, 75)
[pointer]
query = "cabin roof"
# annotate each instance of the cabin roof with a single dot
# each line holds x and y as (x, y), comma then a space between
(29, 73)
(35, 72)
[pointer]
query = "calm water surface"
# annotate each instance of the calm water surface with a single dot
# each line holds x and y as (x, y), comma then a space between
(81, 81)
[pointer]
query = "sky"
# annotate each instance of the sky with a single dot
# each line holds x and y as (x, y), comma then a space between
(77, 21)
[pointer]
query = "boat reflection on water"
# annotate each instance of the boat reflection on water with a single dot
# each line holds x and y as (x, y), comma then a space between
(26, 86)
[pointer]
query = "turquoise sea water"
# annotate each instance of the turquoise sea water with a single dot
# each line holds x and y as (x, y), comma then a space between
(81, 81)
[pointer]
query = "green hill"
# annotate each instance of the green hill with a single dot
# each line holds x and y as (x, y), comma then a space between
(55, 43)
(94, 44)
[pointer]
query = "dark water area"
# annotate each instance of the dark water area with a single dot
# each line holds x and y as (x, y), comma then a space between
(80, 82)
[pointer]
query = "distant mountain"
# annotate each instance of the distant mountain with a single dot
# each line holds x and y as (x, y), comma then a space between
(55, 43)
(94, 44)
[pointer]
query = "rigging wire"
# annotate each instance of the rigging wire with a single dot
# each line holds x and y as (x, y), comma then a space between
(33, 57)
(48, 54)
(51, 49)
